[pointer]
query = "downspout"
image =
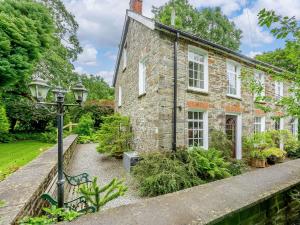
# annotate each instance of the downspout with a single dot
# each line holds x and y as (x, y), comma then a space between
(174, 121)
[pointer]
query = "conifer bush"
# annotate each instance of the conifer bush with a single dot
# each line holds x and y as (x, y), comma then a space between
(114, 136)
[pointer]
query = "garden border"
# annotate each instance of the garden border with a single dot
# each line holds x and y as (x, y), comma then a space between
(22, 190)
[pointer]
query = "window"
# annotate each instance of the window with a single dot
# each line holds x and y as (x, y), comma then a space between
(198, 69)
(142, 77)
(278, 125)
(259, 124)
(233, 78)
(197, 129)
(260, 80)
(278, 90)
(120, 96)
(294, 126)
(125, 57)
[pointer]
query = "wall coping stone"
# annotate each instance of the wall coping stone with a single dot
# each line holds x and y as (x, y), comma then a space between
(205, 203)
(19, 190)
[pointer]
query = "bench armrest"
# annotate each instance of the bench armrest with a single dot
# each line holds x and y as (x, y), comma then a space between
(78, 179)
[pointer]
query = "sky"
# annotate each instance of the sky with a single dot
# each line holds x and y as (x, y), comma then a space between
(101, 22)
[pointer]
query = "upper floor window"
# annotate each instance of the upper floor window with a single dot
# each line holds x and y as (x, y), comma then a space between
(259, 124)
(233, 79)
(278, 90)
(142, 77)
(120, 96)
(198, 68)
(198, 129)
(125, 57)
(260, 81)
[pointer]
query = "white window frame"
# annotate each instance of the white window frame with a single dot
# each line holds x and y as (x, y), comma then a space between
(261, 81)
(192, 50)
(262, 124)
(238, 78)
(205, 127)
(278, 93)
(125, 57)
(281, 124)
(142, 77)
(294, 126)
(120, 96)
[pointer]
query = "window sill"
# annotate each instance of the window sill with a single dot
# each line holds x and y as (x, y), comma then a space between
(198, 91)
(142, 95)
(234, 97)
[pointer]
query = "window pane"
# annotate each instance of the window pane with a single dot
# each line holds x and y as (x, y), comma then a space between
(190, 115)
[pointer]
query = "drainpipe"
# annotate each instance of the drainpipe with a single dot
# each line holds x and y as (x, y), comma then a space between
(174, 121)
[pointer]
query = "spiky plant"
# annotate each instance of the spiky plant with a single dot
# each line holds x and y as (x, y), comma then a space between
(99, 196)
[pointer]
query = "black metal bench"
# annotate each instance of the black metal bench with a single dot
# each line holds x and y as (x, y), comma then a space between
(73, 200)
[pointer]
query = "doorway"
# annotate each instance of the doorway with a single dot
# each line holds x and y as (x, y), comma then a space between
(231, 132)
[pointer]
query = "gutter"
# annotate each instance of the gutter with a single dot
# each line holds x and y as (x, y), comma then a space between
(216, 47)
(174, 120)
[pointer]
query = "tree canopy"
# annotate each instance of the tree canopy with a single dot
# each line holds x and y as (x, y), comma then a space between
(207, 23)
(27, 31)
(287, 28)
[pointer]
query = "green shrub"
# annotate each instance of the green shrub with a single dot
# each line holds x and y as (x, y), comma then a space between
(6, 138)
(52, 217)
(219, 141)
(237, 167)
(85, 126)
(294, 154)
(257, 154)
(99, 196)
(4, 123)
(114, 136)
(161, 173)
(208, 164)
(49, 137)
(275, 152)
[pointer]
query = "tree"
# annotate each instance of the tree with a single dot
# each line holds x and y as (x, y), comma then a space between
(26, 33)
(208, 23)
(288, 29)
(4, 123)
(98, 88)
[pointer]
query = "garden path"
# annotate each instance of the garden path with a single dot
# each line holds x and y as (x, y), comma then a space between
(87, 159)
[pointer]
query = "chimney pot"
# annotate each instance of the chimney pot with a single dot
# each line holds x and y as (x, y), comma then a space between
(136, 6)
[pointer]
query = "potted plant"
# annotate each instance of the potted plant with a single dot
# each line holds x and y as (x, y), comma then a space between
(258, 159)
(274, 155)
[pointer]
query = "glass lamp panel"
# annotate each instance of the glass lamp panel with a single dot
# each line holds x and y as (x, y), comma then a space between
(84, 96)
(42, 91)
(33, 90)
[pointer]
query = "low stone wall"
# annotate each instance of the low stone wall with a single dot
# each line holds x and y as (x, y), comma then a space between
(257, 197)
(22, 190)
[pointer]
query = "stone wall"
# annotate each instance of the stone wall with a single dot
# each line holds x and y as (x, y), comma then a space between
(142, 43)
(22, 190)
(257, 197)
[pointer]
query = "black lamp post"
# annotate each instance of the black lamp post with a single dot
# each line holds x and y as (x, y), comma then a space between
(39, 90)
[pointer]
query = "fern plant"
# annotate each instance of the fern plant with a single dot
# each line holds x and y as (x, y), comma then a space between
(99, 196)
(208, 164)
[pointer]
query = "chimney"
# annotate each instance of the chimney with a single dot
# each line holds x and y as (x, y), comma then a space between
(136, 6)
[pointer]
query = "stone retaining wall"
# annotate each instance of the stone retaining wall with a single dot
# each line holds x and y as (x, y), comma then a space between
(22, 190)
(257, 197)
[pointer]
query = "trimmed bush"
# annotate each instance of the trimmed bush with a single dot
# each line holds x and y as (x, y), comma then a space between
(4, 123)
(114, 136)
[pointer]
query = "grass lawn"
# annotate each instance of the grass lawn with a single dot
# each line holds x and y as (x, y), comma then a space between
(15, 155)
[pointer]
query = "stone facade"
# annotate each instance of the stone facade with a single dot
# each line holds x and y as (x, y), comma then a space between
(151, 114)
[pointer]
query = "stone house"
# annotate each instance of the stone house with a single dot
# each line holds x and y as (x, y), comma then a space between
(177, 87)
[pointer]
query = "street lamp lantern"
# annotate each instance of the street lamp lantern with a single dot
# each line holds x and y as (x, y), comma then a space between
(58, 91)
(39, 89)
(80, 93)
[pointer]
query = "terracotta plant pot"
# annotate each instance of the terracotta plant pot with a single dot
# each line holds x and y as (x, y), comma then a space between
(258, 163)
